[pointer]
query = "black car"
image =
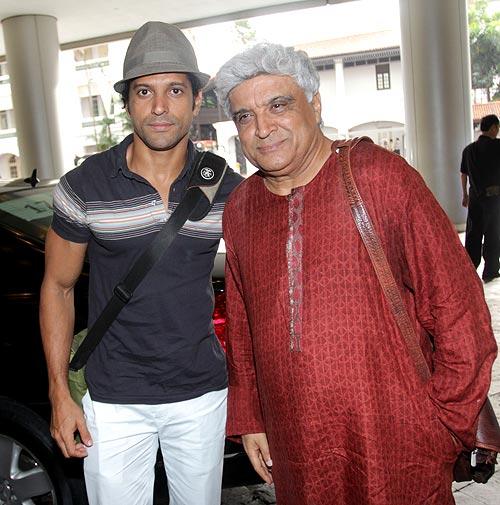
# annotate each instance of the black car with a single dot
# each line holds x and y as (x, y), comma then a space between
(32, 470)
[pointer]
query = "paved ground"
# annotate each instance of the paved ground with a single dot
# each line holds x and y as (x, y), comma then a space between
(487, 494)
(465, 493)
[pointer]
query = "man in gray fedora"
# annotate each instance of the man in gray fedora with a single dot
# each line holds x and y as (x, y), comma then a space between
(158, 376)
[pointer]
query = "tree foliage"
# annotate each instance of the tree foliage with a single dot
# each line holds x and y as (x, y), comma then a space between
(244, 31)
(105, 138)
(484, 30)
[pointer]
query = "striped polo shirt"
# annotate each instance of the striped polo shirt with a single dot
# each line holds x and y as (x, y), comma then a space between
(162, 347)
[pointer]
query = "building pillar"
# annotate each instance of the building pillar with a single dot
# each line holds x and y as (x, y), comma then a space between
(435, 58)
(32, 50)
(340, 97)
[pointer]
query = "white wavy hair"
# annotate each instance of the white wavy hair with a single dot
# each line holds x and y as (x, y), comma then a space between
(261, 59)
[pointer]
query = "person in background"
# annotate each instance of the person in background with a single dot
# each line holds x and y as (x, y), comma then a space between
(480, 170)
(397, 146)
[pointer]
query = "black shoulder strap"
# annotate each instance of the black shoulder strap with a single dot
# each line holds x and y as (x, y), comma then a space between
(208, 172)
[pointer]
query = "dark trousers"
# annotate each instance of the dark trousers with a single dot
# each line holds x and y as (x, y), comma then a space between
(483, 220)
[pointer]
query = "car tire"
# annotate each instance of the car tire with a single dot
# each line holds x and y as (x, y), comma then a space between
(30, 462)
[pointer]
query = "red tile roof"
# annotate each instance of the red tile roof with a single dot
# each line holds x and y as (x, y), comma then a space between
(479, 110)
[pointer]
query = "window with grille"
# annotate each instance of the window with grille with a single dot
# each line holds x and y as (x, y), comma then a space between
(13, 167)
(383, 76)
(92, 106)
(7, 119)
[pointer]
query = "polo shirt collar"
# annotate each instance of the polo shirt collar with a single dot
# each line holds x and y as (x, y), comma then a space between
(119, 153)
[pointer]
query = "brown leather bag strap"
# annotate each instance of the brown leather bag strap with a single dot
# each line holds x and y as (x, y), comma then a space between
(488, 430)
(379, 260)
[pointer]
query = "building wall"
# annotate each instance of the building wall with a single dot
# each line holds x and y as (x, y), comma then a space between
(365, 103)
(92, 74)
(329, 102)
(8, 139)
(362, 102)
(78, 80)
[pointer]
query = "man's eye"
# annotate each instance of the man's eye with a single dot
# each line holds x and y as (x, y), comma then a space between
(177, 91)
(143, 92)
(243, 118)
(276, 107)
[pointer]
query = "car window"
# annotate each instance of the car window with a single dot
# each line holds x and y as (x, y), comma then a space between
(30, 210)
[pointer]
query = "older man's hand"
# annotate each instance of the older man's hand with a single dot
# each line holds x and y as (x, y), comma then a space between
(257, 448)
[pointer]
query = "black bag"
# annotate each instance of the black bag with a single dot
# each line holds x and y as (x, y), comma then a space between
(481, 472)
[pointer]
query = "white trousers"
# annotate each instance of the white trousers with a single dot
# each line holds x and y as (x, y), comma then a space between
(119, 468)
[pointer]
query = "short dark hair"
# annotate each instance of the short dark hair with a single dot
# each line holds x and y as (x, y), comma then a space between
(488, 121)
(125, 93)
(196, 87)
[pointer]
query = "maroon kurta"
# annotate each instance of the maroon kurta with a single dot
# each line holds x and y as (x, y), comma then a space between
(331, 383)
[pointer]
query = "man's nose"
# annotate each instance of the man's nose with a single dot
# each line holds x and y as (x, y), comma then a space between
(159, 105)
(264, 126)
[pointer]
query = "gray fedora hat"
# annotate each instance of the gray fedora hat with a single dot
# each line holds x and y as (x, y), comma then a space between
(158, 48)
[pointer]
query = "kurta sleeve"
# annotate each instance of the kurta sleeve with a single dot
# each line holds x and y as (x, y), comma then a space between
(450, 305)
(244, 411)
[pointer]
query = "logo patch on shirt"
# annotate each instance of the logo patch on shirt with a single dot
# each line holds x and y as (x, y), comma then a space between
(207, 173)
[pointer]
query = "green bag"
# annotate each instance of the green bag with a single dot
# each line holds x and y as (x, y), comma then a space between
(76, 380)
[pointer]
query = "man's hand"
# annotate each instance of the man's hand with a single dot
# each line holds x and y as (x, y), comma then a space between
(63, 265)
(68, 418)
(257, 449)
(465, 201)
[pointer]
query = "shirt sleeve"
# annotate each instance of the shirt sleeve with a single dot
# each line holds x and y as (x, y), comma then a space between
(450, 305)
(244, 411)
(70, 213)
(464, 169)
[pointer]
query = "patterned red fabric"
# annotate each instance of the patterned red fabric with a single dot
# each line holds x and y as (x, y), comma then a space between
(347, 418)
(294, 247)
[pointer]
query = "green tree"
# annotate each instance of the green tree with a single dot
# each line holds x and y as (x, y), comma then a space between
(105, 138)
(244, 31)
(126, 122)
(484, 32)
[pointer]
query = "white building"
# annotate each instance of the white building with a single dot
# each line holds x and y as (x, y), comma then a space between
(88, 107)
(361, 90)
(9, 152)
(361, 87)
(361, 93)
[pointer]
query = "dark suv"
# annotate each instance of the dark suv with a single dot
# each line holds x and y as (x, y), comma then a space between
(32, 470)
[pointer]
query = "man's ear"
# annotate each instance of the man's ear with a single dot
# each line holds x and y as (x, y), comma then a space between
(197, 103)
(316, 105)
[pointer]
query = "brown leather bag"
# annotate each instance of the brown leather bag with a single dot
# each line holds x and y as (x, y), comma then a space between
(488, 431)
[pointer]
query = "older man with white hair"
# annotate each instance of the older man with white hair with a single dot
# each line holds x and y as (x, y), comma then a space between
(322, 389)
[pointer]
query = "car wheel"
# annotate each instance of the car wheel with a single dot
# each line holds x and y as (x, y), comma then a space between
(30, 466)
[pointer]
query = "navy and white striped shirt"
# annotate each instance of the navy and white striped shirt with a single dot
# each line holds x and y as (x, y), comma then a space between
(162, 347)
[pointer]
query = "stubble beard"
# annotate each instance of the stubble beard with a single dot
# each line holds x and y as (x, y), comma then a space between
(161, 141)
